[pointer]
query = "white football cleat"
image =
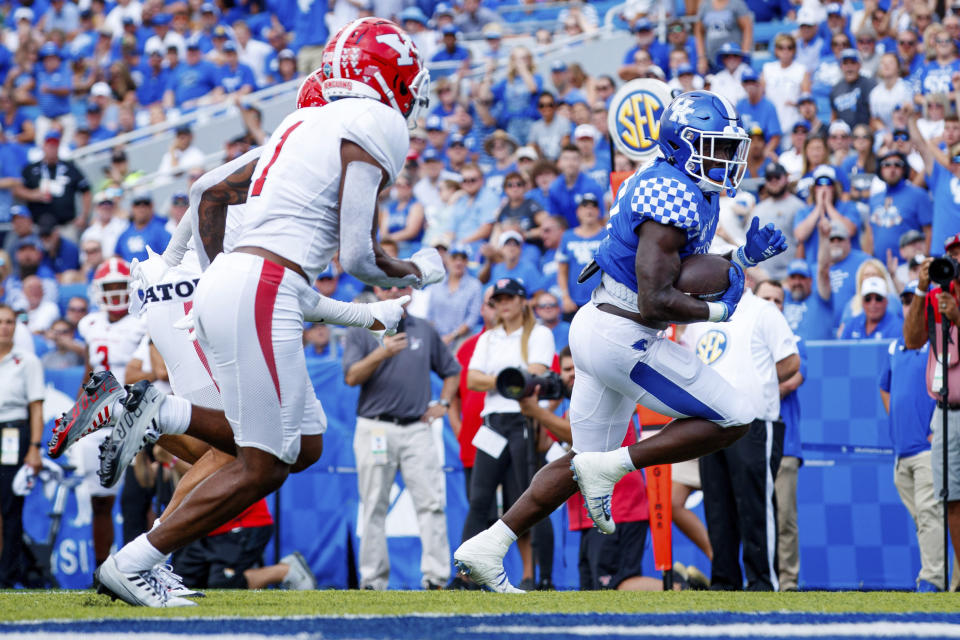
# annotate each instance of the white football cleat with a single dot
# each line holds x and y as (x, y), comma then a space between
(136, 426)
(596, 473)
(299, 577)
(174, 583)
(482, 560)
(141, 589)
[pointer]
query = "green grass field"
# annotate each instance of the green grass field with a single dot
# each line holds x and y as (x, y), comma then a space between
(78, 605)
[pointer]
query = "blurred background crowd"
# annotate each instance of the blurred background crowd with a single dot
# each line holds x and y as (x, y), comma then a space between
(109, 111)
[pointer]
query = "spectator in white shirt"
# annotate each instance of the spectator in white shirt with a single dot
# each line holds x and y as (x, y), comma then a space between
(182, 155)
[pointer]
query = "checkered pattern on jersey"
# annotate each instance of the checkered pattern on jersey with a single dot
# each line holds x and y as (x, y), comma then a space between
(667, 201)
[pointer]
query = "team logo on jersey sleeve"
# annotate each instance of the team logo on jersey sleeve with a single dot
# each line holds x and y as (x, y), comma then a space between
(711, 346)
(634, 117)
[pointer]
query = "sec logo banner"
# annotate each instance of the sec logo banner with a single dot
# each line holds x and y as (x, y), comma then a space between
(711, 346)
(634, 117)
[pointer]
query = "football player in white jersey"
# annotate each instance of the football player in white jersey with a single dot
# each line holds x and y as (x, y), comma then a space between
(111, 335)
(311, 193)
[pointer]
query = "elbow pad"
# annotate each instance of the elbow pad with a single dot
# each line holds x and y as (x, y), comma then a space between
(358, 206)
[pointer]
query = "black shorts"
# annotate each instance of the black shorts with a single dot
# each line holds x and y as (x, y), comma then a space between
(218, 562)
(608, 560)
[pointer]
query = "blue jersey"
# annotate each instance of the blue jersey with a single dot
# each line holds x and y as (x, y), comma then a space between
(763, 115)
(664, 194)
(577, 252)
(901, 375)
(893, 212)
(946, 206)
(890, 326)
(133, 242)
(790, 411)
(810, 318)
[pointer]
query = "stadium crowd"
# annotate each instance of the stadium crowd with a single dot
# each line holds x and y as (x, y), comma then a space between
(852, 109)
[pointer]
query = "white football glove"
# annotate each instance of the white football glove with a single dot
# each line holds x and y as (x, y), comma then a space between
(388, 312)
(431, 267)
(144, 275)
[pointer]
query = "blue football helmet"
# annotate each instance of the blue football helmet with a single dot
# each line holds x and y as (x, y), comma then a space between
(701, 134)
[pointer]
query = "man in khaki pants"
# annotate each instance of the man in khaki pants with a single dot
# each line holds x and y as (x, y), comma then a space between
(902, 383)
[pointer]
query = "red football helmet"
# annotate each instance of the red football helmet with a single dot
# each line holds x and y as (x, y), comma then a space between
(374, 58)
(311, 92)
(114, 271)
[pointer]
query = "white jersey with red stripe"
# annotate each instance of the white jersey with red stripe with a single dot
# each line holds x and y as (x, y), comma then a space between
(292, 206)
(111, 345)
(164, 304)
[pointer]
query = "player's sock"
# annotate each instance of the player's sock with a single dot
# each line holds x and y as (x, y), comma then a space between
(502, 534)
(174, 417)
(625, 460)
(139, 555)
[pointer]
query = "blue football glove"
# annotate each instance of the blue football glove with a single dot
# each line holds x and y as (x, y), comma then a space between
(722, 310)
(762, 244)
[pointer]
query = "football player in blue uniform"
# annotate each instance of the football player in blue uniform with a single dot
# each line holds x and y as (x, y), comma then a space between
(665, 212)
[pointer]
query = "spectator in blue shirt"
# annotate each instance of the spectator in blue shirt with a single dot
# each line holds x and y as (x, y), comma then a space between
(235, 77)
(825, 205)
(560, 77)
(60, 254)
(809, 315)
(901, 375)
(547, 309)
(310, 28)
(515, 97)
(476, 209)
(450, 51)
(154, 77)
(551, 233)
(837, 266)
(11, 178)
(577, 248)
(508, 262)
(54, 85)
(943, 176)
(898, 208)
(938, 74)
(98, 132)
(756, 110)
(877, 322)
(145, 229)
(571, 182)
(63, 16)
(191, 81)
(455, 303)
(647, 41)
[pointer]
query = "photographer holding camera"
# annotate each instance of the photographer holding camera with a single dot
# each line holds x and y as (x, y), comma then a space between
(506, 447)
(933, 309)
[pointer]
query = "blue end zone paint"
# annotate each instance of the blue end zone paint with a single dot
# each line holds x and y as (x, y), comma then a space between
(670, 394)
(476, 626)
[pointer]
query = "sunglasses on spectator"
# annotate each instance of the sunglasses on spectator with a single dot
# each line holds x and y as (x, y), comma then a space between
(470, 180)
(861, 136)
(907, 43)
(865, 40)
(77, 309)
(943, 41)
(547, 105)
(677, 28)
(839, 135)
(892, 164)
(873, 297)
(514, 183)
(901, 137)
(548, 305)
(842, 44)
(785, 47)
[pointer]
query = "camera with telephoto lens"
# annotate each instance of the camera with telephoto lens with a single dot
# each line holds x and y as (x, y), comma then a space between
(943, 271)
(516, 383)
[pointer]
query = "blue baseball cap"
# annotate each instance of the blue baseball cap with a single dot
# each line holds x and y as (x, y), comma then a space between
(685, 70)
(193, 43)
(730, 49)
(433, 123)
(328, 273)
(750, 75)
(220, 31)
(29, 241)
(430, 155)
(229, 46)
(456, 138)
(442, 9)
(413, 14)
(448, 29)
(459, 250)
(806, 97)
(49, 49)
(180, 198)
(161, 18)
(19, 210)
(799, 267)
(642, 25)
(849, 54)
(558, 65)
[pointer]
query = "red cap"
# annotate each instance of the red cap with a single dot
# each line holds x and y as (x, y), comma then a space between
(952, 240)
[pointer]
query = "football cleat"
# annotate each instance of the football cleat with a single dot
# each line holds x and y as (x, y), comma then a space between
(140, 589)
(136, 426)
(299, 577)
(93, 410)
(174, 583)
(596, 473)
(482, 560)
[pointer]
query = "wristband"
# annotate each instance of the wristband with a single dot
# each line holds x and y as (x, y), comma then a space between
(740, 257)
(38, 445)
(717, 312)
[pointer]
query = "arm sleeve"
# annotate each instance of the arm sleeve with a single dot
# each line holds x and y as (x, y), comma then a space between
(541, 348)
(34, 378)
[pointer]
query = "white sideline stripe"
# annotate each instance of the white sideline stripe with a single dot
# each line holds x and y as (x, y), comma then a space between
(768, 630)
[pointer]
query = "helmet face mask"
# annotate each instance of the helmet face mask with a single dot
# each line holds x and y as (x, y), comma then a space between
(374, 58)
(702, 136)
(110, 286)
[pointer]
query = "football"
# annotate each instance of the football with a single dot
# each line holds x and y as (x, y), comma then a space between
(704, 276)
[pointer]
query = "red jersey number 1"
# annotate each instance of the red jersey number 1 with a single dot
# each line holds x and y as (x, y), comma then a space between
(258, 184)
